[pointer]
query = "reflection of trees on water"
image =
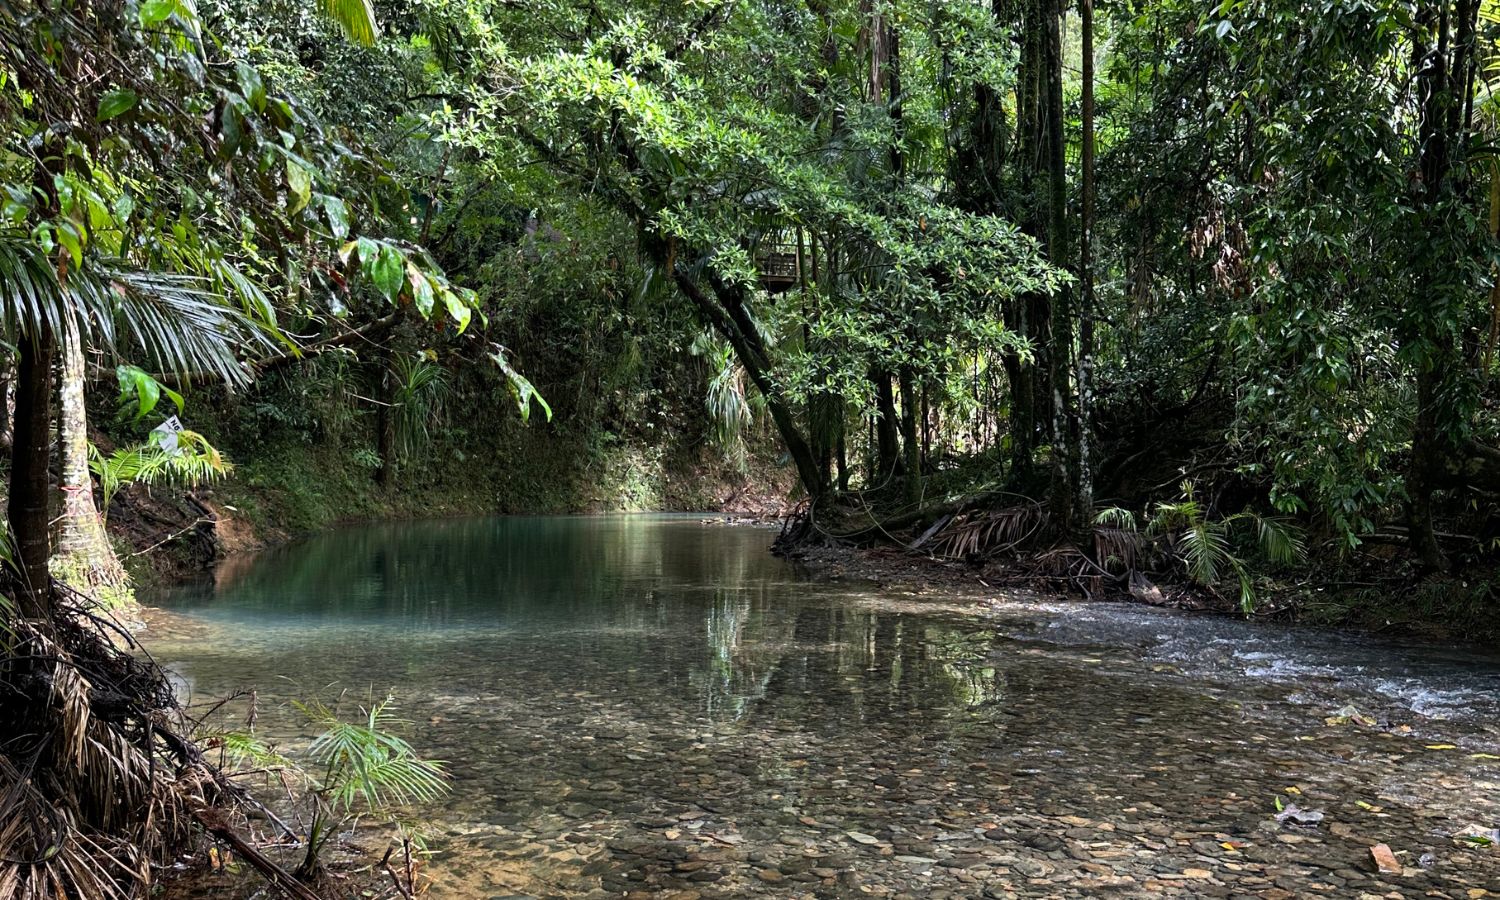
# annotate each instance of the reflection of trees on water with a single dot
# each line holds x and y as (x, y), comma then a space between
(734, 677)
(829, 659)
(640, 608)
(515, 569)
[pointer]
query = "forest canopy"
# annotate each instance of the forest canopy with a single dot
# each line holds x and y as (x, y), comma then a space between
(1078, 256)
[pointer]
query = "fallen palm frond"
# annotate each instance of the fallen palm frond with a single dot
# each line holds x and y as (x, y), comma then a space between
(84, 813)
(1118, 549)
(980, 534)
(98, 786)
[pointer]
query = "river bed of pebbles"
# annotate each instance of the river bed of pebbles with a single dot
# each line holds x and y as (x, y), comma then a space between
(643, 709)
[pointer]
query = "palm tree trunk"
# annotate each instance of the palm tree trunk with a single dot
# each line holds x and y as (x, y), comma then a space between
(7, 404)
(85, 559)
(27, 510)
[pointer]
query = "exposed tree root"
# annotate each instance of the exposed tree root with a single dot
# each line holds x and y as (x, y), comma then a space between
(99, 783)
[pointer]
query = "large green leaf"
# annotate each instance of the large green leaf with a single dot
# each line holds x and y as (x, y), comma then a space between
(141, 391)
(421, 290)
(338, 216)
(299, 185)
(521, 388)
(355, 17)
(155, 12)
(387, 271)
(459, 308)
(115, 103)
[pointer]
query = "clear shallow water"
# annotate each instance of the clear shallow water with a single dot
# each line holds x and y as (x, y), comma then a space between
(649, 704)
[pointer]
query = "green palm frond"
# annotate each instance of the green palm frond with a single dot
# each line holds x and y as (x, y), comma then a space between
(355, 17)
(1116, 517)
(244, 749)
(383, 780)
(1205, 549)
(195, 461)
(1279, 540)
(1203, 544)
(367, 764)
(176, 323)
(1185, 513)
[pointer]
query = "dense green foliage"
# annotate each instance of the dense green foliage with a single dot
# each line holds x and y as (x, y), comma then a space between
(1181, 290)
(930, 245)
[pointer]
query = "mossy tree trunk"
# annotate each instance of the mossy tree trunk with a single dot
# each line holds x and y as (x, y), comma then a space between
(84, 559)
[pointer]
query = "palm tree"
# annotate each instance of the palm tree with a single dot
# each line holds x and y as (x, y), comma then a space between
(85, 557)
(176, 322)
(355, 17)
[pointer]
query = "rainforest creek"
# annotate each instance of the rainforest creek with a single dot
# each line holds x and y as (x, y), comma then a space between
(652, 706)
(1193, 306)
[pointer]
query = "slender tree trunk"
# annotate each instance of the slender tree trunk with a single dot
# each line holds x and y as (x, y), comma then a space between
(726, 312)
(897, 102)
(910, 439)
(1030, 314)
(888, 445)
(1420, 486)
(1060, 343)
(7, 403)
(85, 558)
(841, 456)
(385, 423)
(29, 493)
(1432, 441)
(927, 426)
(1084, 494)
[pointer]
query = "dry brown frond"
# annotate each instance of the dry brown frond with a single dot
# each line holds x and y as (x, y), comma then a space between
(89, 765)
(982, 534)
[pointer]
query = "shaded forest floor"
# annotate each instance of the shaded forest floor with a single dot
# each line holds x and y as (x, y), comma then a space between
(1366, 594)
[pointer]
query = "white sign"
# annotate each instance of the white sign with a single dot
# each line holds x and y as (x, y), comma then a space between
(165, 435)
